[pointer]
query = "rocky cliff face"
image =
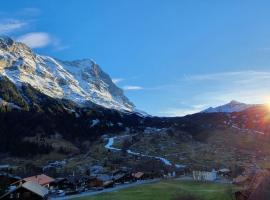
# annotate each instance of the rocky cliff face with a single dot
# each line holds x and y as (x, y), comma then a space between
(80, 81)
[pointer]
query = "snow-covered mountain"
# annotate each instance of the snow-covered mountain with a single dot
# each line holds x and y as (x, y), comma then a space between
(233, 106)
(81, 81)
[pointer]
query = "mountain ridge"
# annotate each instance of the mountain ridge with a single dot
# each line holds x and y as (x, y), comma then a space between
(232, 106)
(81, 81)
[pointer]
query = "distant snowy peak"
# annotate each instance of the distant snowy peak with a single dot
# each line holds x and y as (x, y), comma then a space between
(233, 106)
(81, 81)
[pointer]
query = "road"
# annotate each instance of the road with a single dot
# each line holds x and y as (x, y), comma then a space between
(116, 188)
(110, 143)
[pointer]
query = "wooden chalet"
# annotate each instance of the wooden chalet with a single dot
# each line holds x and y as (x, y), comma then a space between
(94, 182)
(123, 178)
(27, 191)
(224, 172)
(73, 182)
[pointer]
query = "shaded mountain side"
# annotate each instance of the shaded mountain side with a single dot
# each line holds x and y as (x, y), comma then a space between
(25, 112)
(254, 120)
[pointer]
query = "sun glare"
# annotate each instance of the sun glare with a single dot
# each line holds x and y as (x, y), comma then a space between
(268, 105)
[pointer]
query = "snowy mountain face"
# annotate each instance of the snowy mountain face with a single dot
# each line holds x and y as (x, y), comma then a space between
(233, 106)
(81, 81)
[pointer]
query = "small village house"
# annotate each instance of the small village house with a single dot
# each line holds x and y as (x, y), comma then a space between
(224, 172)
(94, 182)
(122, 176)
(204, 175)
(27, 191)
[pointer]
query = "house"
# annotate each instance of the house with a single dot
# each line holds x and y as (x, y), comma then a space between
(75, 181)
(204, 175)
(41, 179)
(225, 172)
(59, 183)
(94, 182)
(122, 178)
(27, 191)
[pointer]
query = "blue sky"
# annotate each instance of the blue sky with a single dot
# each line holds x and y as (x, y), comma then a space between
(171, 57)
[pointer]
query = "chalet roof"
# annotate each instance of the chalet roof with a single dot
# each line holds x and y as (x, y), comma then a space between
(224, 170)
(35, 188)
(138, 174)
(41, 179)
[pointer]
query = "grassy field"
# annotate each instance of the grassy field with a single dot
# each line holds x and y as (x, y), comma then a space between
(169, 190)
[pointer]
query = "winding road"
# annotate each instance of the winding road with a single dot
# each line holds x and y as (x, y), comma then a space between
(110, 143)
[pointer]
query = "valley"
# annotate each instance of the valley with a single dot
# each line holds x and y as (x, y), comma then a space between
(69, 121)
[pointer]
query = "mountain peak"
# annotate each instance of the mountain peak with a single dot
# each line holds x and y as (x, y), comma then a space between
(81, 81)
(235, 102)
(232, 106)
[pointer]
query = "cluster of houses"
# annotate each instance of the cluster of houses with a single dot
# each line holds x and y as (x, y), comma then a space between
(41, 186)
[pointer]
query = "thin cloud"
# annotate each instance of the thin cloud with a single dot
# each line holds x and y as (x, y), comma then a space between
(36, 39)
(42, 39)
(11, 25)
(229, 75)
(132, 87)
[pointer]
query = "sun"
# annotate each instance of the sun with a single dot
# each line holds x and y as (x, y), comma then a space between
(268, 105)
